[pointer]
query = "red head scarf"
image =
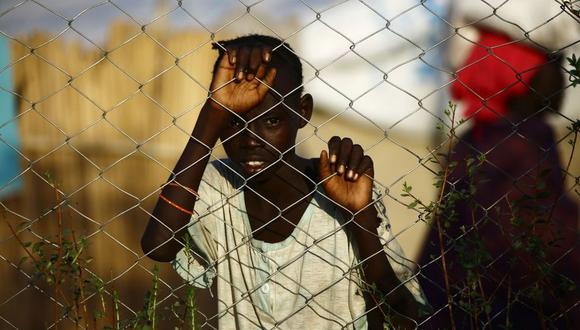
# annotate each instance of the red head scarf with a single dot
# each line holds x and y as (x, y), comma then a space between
(496, 69)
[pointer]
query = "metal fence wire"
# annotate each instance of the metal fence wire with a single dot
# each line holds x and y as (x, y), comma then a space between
(99, 100)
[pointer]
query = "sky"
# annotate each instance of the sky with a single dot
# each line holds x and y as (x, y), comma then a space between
(19, 17)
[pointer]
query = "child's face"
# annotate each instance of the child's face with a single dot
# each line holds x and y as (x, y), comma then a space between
(270, 133)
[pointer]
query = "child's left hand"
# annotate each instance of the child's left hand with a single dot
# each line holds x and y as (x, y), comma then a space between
(347, 174)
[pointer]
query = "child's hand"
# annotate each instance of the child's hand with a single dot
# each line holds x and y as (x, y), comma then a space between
(347, 174)
(241, 79)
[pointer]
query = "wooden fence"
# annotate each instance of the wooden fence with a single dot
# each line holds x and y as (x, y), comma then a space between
(106, 129)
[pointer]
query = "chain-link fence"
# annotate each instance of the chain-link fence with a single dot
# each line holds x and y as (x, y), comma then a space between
(99, 99)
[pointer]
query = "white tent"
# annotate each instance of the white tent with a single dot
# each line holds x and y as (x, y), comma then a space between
(381, 63)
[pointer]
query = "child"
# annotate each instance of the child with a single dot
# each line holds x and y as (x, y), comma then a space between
(291, 242)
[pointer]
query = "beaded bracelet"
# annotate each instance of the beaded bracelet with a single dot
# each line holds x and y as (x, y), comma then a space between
(189, 190)
(170, 202)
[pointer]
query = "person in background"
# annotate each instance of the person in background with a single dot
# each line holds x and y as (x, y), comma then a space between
(505, 251)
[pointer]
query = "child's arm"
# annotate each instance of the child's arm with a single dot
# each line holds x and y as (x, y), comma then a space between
(348, 180)
(234, 87)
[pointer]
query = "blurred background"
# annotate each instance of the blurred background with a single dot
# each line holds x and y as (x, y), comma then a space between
(98, 99)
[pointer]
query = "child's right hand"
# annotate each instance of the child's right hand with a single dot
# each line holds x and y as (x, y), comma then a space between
(347, 174)
(242, 78)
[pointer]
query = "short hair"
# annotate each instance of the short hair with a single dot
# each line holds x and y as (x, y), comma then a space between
(282, 54)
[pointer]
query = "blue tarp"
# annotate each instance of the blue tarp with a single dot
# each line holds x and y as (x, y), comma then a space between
(9, 140)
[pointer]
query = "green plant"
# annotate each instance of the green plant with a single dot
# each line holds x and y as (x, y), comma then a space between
(575, 71)
(62, 265)
(471, 291)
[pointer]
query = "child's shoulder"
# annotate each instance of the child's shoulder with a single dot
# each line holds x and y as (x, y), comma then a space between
(219, 164)
(222, 170)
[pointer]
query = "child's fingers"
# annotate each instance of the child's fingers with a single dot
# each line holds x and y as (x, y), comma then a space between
(356, 155)
(261, 72)
(324, 166)
(268, 82)
(225, 63)
(266, 54)
(365, 167)
(242, 62)
(232, 52)
(253, 63)
(343, 155)
(224, 72)
(333, 148)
